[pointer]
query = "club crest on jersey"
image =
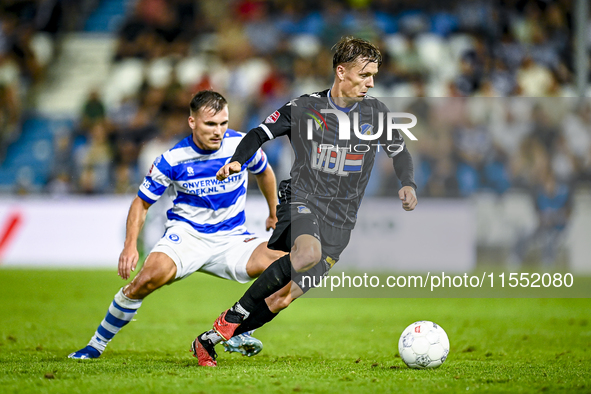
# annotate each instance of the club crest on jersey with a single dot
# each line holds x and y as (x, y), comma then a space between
(174, 238)
(335, 160)
(273, 117)
(366, 129)
(303, 209)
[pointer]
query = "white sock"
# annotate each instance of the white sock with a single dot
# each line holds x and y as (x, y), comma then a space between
(121, 311)
(213, 336)
(240, 309)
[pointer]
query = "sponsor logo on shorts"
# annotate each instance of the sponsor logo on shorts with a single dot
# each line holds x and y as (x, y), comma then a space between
(249, 239)
(303, 209)
(330, 261)
(174, 238)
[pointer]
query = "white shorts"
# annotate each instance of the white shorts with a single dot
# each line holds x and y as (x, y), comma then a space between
(224, 256)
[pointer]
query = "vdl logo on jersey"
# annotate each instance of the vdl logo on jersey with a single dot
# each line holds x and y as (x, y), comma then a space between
(335, 160)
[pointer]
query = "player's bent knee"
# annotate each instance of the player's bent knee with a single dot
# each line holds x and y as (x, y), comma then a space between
(140, 288)
(144, 284)
(158, 270)
(306, 252)
(305, 257)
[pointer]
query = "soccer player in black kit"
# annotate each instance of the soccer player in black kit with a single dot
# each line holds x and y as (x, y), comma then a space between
(318, 205)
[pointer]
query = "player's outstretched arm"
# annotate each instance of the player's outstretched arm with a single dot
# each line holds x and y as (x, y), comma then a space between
(232, 167)
(408, 196)
(135, 221)
(251, 142)
(268, 185)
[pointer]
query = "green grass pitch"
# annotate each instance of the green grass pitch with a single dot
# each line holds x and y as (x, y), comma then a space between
(316, 346)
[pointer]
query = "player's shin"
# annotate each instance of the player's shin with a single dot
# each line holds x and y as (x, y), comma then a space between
(121, 311)
(274, 278)
(260, 316)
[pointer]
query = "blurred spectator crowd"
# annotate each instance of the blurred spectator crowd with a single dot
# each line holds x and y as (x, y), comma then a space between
(27, 34)
(540, 146)
(259, 54)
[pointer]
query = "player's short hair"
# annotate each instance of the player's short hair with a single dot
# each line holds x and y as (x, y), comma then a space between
(207, 99)
(349, 49)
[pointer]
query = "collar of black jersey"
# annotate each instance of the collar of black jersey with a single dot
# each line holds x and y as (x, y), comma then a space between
(335, 106)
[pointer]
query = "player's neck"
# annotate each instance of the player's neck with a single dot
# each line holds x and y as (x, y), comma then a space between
(336, 95)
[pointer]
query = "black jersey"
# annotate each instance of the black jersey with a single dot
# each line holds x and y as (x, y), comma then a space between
(331, 169)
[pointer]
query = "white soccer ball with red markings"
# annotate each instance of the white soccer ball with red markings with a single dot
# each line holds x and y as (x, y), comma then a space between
(423, 344)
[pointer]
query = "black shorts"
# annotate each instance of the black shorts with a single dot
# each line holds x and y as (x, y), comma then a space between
(295, 219)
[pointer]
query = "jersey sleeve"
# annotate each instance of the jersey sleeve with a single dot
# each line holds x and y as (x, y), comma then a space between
(156, 181)
(275, 125)
(393, 143)
(396, 149)
(404, 168)
(279, 122)
(257, 163)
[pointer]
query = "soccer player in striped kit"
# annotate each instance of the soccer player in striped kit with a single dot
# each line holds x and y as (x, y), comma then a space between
(319, 204)
(205, 230)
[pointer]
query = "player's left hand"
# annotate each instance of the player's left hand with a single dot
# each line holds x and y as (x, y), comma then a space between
(271, 222)
(409, 198)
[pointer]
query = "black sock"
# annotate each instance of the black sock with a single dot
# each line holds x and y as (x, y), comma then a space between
(260, 316)
(274, 278)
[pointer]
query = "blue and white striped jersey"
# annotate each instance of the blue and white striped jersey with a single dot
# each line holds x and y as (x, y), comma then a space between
(201, 202)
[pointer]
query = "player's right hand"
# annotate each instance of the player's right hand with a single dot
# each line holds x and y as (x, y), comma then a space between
(128, 261)
(229, 169)
(271, 222)
(408, 196)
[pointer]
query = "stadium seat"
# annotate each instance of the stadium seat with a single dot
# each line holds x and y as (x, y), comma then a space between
(305, 45)
(159, 72)
(190, 70)
(125, 79)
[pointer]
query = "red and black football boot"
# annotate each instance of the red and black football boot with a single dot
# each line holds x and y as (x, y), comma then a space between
(227, 323)
(204, 350)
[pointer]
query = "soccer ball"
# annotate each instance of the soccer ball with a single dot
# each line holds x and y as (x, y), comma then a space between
(423, 344)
